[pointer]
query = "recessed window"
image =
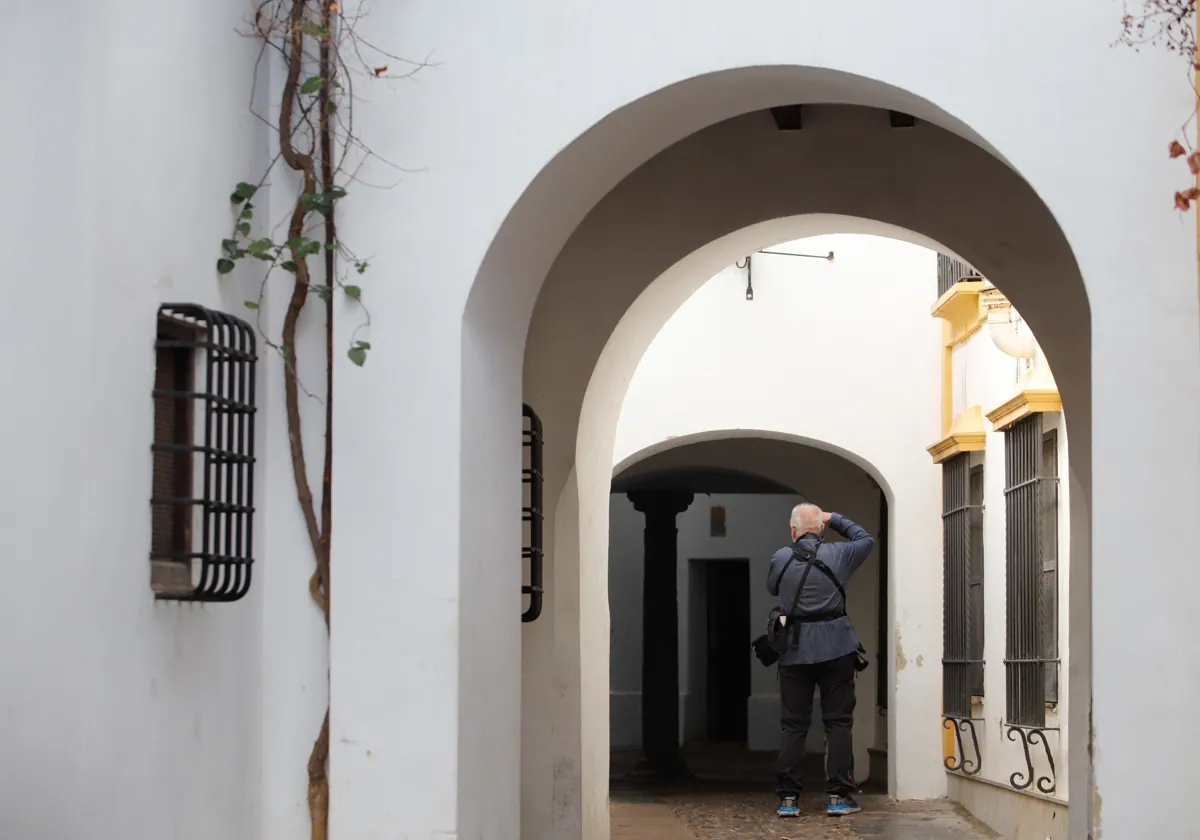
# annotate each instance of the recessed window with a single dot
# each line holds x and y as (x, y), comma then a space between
(202, 488)
(716, 521)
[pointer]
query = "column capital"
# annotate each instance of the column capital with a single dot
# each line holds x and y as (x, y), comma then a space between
(662, 502)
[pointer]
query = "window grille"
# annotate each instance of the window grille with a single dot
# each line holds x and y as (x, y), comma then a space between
(951, 271)
(975, 594)
(1031, 512)
(532, 513)
(210, 483)
(961, 666)
(1049, 578)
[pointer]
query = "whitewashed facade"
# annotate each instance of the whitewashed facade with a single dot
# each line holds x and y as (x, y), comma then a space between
(577, 173)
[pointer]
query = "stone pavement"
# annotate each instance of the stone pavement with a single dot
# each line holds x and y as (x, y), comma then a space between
(709, 815)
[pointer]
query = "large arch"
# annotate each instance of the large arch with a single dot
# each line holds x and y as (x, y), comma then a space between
(667, 218)
(498, 207)
(726, 177)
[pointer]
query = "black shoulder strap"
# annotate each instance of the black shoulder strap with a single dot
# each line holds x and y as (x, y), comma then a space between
(809, 562)
(828, 572)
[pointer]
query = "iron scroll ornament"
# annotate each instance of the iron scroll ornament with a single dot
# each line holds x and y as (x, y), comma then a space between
(1030, 735)
(963, 764)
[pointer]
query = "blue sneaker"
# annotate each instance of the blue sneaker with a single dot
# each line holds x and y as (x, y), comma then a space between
(840, 806)
(788, 807)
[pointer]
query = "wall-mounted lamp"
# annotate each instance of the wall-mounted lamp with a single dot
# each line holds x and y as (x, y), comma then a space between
(748, 264)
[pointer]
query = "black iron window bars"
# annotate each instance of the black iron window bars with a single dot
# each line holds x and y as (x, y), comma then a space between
(221, 347)
(951, 271)
(1031, 660)
(532, 511)
(962, 632)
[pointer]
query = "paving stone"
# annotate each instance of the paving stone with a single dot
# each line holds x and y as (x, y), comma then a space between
(715, 815)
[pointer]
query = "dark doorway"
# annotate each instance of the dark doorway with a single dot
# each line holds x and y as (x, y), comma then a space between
(727, 659)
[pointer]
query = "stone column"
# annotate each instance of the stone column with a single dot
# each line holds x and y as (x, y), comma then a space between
(660, 630)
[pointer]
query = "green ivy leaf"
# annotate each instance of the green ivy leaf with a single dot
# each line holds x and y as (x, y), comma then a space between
(224, 266)
(330, 107)
(353, 292)
(243, 192)
(358, 354)
(229, 247)
(323, 292)
(288, 265)
(259, 247)
(335, 192)
(251, 304)
(244, 228)
(361, 267)
(246, 213)
(312, 85)
(366, 345)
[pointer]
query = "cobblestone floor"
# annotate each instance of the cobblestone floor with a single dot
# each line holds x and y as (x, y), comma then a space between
(713, 815)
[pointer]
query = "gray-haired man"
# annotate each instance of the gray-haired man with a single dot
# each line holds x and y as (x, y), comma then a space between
(821, 653)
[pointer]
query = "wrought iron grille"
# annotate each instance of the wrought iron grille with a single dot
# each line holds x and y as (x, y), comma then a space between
(951, 271)
(1031, 513)
(1048, 595)
(532, 514)
(220, 467)
(975, 596)
(960, 667)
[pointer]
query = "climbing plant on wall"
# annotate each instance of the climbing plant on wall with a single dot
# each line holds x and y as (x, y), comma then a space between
(1171, 25)
(315, 46)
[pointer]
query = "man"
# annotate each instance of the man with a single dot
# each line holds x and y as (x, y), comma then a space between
(821, 653)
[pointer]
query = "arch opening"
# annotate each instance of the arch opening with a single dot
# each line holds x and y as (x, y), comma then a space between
(727, 713)
(717, 188)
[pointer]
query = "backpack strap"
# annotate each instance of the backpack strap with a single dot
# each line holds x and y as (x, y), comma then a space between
(815, 561)
(793, 629)
(828, 572)
(808, 568)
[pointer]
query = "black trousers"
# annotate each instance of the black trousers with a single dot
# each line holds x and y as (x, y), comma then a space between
(835, 679)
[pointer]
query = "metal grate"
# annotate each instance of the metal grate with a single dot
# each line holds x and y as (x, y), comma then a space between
(192, 338)
(1048, 594)
(975, 602)
(951, 271)
(1031, 513)
(532, 512)
(960, 667)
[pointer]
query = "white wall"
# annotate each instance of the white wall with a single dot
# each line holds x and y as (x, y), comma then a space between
(120, 716)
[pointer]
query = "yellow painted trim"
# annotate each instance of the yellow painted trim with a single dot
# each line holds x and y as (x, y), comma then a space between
(949, 750)
(947, 380)
(966, 434)
(961, 308)
(1027, 401)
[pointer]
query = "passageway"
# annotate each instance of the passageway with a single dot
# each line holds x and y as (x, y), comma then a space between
(709, 813)
(694, 717)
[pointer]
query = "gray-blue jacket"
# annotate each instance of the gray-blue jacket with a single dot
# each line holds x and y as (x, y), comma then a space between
(825, 640)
